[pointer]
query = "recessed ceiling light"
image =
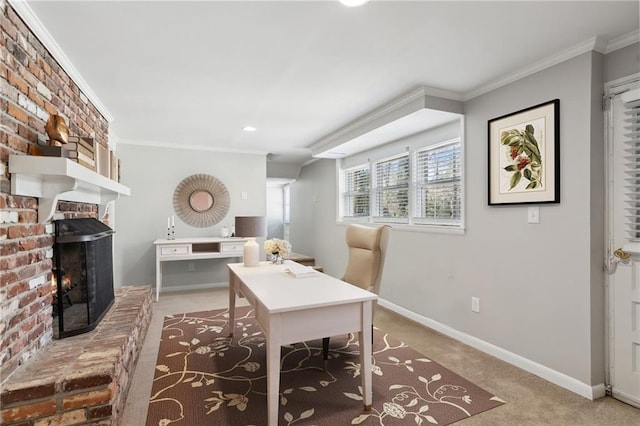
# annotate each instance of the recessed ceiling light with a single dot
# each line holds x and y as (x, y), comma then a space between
(249, 129)
(353, 3)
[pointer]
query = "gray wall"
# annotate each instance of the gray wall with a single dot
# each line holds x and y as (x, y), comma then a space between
(313, 229)
(153, 173)
(539, 285)
(622, 62)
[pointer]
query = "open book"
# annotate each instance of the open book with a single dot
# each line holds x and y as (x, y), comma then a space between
(300, 271)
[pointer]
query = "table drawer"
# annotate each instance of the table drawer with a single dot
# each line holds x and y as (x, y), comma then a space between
(231, 246)
(175, 249)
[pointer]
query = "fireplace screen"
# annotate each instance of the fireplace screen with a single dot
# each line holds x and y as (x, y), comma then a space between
(82, 275)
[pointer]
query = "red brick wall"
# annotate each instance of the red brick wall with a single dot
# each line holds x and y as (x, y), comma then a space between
(32, 86)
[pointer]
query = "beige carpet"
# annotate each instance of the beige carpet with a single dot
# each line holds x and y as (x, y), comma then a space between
(204, 377)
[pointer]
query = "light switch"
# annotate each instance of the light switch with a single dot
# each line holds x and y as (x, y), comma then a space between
(243, 195)
(533, 215)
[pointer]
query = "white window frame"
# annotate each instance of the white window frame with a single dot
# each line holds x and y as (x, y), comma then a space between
(286, 210)
(415, 200)
(343, 190)
(411, 223)
(373, 187)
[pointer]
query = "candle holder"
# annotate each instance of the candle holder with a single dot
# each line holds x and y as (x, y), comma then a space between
(168, 232)
(173, 232)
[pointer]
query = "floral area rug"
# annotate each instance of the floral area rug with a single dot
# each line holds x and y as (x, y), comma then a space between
(203, 377)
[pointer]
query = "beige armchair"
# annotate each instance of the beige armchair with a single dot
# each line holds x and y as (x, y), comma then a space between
(367, 251)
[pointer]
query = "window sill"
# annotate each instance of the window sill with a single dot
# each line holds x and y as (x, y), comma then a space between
(405, 227)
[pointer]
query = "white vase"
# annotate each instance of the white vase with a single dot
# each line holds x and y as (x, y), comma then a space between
(251, 252)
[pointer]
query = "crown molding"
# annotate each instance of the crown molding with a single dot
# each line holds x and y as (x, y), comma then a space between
(155, 144)
(586, 46)
(596, 44)
(35, 25)
(622, 41)
(404, 105)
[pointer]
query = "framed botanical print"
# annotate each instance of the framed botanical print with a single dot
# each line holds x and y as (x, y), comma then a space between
(524, 156)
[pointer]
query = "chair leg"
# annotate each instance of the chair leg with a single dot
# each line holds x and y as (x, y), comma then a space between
(325, 348)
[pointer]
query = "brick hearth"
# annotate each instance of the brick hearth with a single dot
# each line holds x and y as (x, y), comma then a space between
(82, 379)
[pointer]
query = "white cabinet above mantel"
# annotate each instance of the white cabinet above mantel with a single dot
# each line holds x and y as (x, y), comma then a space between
(54, 179)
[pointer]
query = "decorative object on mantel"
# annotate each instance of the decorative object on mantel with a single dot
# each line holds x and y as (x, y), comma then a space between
(57, 130)
(82, 151)
(201, 200)
(114, 166)
(102, 158)
(278, 249)
(524, 156)
(77, 149)
(251, 227)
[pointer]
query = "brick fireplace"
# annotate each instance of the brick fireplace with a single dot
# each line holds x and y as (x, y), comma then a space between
(33, 85)
(83, 272)
(34, 391)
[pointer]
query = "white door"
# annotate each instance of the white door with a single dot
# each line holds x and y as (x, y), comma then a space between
(623, 146)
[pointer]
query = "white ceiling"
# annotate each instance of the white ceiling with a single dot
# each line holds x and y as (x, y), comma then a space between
(192, 74)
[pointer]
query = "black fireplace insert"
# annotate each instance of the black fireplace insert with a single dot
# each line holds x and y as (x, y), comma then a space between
(83, 275)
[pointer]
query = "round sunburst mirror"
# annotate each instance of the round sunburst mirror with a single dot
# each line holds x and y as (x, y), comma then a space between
(201, 200)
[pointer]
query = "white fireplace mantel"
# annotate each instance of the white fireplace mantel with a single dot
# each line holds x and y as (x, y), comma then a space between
(53, 179)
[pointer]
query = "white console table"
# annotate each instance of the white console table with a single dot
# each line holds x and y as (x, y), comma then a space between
(194, 249)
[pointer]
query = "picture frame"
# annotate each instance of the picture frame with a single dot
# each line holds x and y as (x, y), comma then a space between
(524, 156)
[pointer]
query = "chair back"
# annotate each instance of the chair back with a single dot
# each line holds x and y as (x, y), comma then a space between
(367, 252)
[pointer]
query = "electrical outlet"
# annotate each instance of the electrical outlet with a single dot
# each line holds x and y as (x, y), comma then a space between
(475, 304)
(191, 267)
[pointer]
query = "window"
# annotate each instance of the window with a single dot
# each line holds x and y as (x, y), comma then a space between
(286, 203)
(392, 188)
(437, 184)
(286, 210)
(355, 198)
(418, 187)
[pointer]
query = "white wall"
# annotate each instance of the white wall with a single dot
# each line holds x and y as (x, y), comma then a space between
(534, 281)
(153, 173)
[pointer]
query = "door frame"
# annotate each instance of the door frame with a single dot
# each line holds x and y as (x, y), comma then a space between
(611, 89)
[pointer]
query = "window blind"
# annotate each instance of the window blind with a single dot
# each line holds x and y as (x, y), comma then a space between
(437, 185)
(631, 101)
(356, 192)
(392, 188)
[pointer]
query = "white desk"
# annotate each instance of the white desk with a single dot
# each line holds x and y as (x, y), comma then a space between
(193, 249)
(293, 310)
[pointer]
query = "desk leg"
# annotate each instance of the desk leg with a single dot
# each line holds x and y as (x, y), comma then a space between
(365, 355)
(232, 302)
(158, 279)
(273, 368)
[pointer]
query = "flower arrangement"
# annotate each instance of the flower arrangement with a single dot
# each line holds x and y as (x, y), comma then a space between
(277, 248)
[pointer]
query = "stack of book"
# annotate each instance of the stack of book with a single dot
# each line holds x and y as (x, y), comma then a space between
(300, 271)
(81, 150)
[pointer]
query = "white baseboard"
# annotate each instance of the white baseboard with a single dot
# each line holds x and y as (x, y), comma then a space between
(553, 376)
(188, 287)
